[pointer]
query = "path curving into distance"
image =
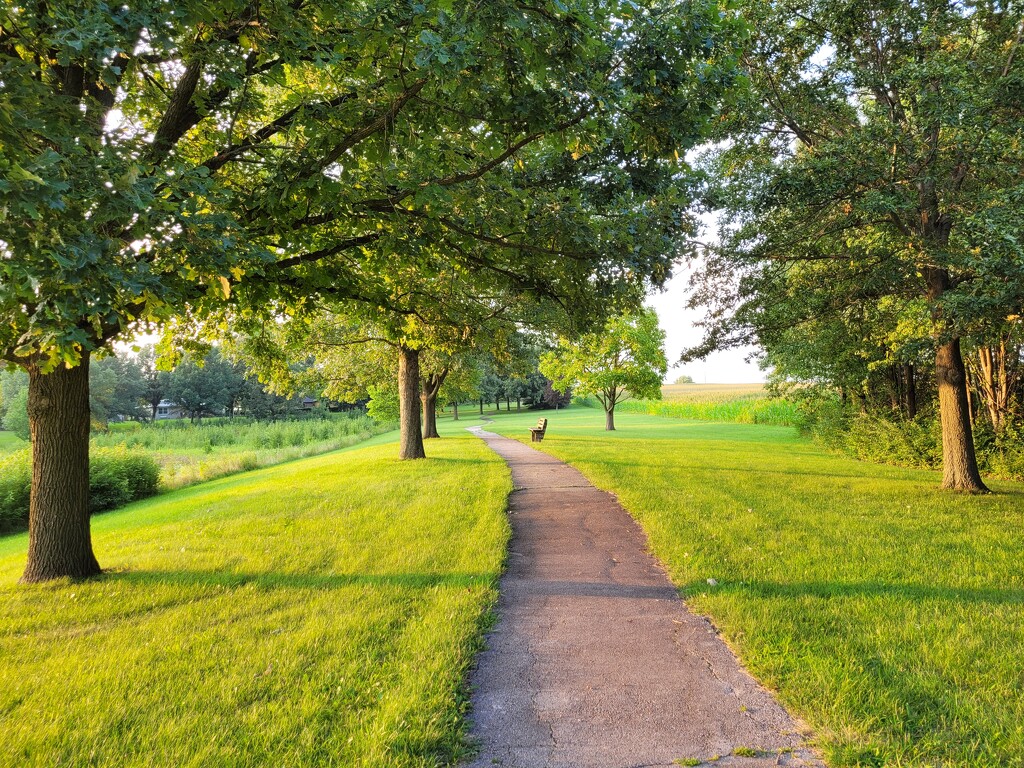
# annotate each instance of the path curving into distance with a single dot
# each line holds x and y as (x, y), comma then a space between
(595, 661)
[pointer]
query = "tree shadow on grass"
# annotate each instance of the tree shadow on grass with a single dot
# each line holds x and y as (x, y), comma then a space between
(839, 590)
(321, 581)
(753, 470)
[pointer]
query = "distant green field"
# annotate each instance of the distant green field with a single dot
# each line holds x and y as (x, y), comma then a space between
(11, 442)
(889, 615)
(320, 613)
(740, 403)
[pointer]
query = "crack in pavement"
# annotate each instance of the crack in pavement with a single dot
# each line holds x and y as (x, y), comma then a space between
(595, 661)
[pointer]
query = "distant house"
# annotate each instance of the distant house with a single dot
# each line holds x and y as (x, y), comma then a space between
(165, 409)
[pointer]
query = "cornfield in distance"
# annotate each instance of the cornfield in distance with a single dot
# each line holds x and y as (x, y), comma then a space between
(740, 403)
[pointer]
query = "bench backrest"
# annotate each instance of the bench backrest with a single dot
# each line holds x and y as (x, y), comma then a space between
(542, 423)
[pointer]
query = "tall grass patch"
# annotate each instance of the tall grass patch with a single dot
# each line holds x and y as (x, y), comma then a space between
(188, 453)
(744, 409)
(319, 613)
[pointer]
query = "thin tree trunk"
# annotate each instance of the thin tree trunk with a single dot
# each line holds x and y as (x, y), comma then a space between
(909, 391)
(895, 388)
(410, 444)
(518, 404)
(959, 462)
(59, 541)
(481, 406)
(609, 419)
(455, 411)
(508, 404)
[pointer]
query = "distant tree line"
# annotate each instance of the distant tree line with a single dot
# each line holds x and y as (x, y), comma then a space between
(128, 386)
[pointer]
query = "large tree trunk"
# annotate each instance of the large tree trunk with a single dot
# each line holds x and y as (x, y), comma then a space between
(59, 542)
(429, 416)
(410, 444)
(959, 463)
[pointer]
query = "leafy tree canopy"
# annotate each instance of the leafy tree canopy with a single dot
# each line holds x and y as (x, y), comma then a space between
(626, 359)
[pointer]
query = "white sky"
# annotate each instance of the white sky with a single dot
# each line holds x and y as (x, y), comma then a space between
(729, 367)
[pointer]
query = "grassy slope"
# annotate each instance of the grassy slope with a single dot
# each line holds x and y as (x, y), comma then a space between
(192, 453)
(319, 613)
(888, 614)
(10, 442)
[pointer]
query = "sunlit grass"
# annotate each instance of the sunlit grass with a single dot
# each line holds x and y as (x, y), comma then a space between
(320, 613)
(888, 614)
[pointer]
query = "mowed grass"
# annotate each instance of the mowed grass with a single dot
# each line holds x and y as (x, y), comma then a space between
(320, 613)
(10, 442)
(887, 614)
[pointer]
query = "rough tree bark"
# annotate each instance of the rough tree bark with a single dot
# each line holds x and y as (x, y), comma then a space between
(431, 387)
(410, 444)
(959, 462)
(59, 541)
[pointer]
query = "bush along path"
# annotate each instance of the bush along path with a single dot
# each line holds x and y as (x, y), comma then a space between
(595, 660)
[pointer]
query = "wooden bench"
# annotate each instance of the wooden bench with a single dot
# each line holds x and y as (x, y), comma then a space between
(537, 433)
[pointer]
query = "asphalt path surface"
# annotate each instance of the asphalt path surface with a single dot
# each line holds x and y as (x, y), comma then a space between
(595, 661)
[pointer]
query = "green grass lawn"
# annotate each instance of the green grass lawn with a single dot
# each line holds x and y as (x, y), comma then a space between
(887, 614)
(320, 613)
(10, 442)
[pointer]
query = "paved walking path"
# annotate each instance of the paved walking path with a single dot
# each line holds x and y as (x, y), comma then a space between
(595, 661)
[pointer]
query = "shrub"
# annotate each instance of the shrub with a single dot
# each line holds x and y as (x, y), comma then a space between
(117, 476)
(916, 443)
(15, 485)
(124, 426)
